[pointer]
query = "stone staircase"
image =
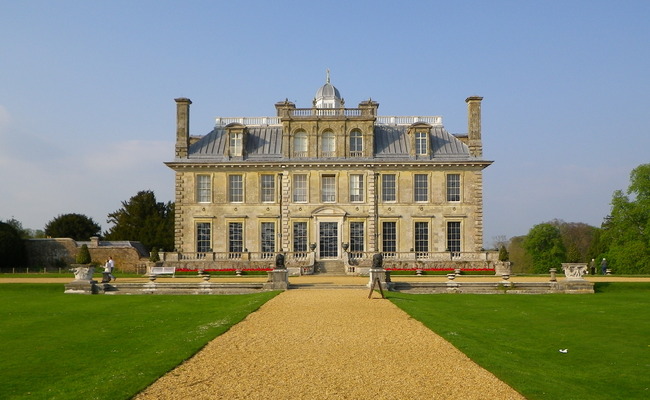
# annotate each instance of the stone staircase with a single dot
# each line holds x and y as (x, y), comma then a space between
(332, 267)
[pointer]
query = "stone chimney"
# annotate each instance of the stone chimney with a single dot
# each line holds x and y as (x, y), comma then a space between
(474, 125)
(182, 126)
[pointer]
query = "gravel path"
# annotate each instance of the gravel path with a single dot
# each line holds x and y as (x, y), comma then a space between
(329, 344)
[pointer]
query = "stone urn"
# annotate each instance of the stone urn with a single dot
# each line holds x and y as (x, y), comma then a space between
(83, 272)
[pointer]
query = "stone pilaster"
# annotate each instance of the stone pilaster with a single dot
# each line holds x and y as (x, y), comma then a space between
(372, 211)
(478, 216)
(285, 193)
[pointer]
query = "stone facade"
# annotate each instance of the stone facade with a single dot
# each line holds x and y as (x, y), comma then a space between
(343, 183)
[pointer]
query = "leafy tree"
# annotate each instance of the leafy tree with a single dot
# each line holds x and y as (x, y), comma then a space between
(12, 247)
(144, 219)
(578, 239)
(626, 231)
(545, 246)
(75, 226)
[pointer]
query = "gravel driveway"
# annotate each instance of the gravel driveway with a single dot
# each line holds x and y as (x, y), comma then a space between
(329, 344)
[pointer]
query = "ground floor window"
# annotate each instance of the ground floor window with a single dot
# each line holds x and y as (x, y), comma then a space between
(300, 236)
(235, 239)
(267, 239)
(203, 237)
(356, 236)
(453, 236)
(389, 238)
(328, 239)
(421, 239)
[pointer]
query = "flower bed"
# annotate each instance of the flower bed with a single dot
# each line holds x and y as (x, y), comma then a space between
(439, 271)
(223, 271)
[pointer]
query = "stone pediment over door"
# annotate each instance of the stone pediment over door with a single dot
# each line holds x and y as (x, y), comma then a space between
(329, 211)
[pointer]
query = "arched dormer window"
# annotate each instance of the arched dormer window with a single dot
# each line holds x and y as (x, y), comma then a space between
(328, 144)
(356, 144)
(236, 139)
(419, 134)
(300, 144)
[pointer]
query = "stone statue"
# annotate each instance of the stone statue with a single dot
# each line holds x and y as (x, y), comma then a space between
(378, 261)
(279, 261)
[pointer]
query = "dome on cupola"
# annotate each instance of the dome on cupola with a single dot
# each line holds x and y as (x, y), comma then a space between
(328, 96)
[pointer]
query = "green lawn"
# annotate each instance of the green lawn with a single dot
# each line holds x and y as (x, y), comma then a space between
(518, 338)
(62, 346)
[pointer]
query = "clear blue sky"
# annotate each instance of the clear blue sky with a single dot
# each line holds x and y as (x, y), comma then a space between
(87, 88)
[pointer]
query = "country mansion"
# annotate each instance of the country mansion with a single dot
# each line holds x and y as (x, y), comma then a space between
(329, 186)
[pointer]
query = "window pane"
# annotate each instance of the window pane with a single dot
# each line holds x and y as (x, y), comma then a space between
(389, 238)
(235, 188)
(203, 237)
(453, 236)
(421, 143)
(356, 144)
(299, 236)
(267, 239)
(267, 188)
(235, 237)
(203, 189)
(300, 188)
(356, 187)
(328, 188)
(453, 187)
(328, 144)
(356, 236)
(235, 144)
(388, 187)
(328, 239)
(300, 144)
(421, 238)
(421, 189)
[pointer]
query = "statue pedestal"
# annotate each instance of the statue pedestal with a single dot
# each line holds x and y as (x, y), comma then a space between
(378, 273)
(278, 279)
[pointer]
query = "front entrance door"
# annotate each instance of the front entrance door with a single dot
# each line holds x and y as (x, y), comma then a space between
(328, 233)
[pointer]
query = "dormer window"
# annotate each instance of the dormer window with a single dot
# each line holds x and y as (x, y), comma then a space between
(419, 134)
(421, 143)
(236, 141)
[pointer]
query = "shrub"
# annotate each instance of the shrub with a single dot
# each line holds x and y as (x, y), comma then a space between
(83, 257)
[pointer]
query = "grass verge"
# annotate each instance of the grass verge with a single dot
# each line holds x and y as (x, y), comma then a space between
(60, 346)
(518, 338)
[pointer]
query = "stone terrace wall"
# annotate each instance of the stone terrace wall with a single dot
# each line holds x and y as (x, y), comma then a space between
(51, 252)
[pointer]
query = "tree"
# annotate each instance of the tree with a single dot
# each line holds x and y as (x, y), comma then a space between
(520, 260)
(578, 239)
(75, 226)
(626, 231)
(144, 219)
(503, 254)
(12, 247)
(545, 246)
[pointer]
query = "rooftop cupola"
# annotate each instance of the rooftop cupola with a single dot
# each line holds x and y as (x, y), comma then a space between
(328, 96)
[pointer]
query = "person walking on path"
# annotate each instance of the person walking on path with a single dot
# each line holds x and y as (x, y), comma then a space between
(108, 269)
(603, 267)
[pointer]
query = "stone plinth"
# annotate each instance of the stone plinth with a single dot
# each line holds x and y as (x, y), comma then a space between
(278, 279)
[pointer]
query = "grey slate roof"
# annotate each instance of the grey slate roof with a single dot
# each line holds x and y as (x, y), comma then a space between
(264, 143)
